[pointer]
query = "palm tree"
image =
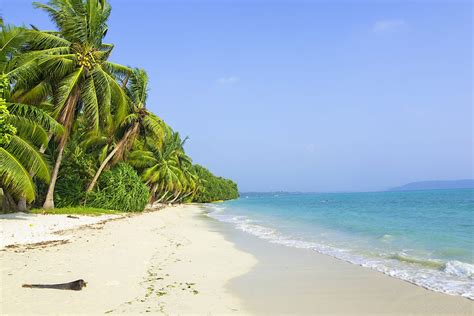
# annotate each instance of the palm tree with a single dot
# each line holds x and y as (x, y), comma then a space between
(75, 60)
(27, 127)
(20, 158)
(139, 123)
(161, 168)
(189, 180)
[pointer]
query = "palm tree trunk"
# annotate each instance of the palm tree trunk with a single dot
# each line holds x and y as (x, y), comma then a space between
(22, 204)
(176, 197)
(166, 198)
(7, 203)
(49, 202)
(104, 163)
(66, 120)
(161, 198)
(185, 196)
(101, 168)
(153, 194)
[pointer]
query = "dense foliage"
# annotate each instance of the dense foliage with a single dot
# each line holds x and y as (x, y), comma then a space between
(75, 129)
(120, 189)
(214, 188)
(6, 128)
(76, 169)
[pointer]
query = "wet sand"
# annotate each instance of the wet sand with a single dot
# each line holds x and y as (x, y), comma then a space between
(290, 281)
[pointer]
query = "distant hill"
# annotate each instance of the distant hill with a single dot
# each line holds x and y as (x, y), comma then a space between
(436, 185)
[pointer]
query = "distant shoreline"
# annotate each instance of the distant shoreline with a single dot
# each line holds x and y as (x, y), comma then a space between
(436, 185)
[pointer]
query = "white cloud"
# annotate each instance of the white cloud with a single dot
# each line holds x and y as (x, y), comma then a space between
(228, 80)
(387, 25)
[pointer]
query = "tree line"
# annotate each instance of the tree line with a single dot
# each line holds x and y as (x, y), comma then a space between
(75, 128)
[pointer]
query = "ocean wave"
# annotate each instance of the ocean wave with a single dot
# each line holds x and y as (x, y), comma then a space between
(459, 268)
(452, 277)
(434, 264)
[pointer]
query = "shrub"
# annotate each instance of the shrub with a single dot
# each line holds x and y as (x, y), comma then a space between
(76, 171)
(119, 189)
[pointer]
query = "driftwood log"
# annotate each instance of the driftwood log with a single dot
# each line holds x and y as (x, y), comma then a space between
(75, 285)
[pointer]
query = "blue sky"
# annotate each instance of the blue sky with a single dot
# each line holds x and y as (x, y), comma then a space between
(305, 95)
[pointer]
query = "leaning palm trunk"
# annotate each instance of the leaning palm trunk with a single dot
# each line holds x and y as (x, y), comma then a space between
(167, 197)
(184, 196)
(176, 197)
(49, 202)
(66, 118)
(162, 197)
(119, 146)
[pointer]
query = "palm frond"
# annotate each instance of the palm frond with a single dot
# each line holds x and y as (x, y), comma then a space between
(90, 103)
(141, 159)
(14, 177)
(66, 87)
(36, 115)
(39, 40)
(119, 99)
(104, 97)
(29, 129)
(29, 157)
(138, 86)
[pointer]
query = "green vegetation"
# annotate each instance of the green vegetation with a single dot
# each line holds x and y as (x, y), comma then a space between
(74, 126)
(214, 188)
(90, 211)
(120, 188)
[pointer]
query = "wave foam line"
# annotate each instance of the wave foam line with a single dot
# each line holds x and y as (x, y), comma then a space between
(452, 277)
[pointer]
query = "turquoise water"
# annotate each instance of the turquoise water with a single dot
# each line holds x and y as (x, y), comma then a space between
(424, 237)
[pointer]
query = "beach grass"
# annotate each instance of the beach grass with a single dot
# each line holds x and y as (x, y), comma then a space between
(77, 210)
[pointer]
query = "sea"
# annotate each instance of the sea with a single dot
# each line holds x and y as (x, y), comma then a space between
(423, 237)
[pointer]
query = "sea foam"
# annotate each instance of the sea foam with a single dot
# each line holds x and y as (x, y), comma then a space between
(452, 277)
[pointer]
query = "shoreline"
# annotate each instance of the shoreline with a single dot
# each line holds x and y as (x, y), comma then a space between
(289, 280)
(169, 261)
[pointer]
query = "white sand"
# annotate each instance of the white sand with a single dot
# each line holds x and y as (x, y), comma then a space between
(168, 261)
(23, 228)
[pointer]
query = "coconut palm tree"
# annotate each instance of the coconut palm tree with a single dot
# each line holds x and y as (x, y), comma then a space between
(189, 180)
(75, 60)
(26, 127)
(138, 123)
(20, 158)
(161, 167)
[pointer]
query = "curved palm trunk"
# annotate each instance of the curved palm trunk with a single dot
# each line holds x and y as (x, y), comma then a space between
(49, 202)
(184, 196)
(166, 197)
(66, 119)
(176, 197)
(104, 163)
(162, 197)
(101, 168)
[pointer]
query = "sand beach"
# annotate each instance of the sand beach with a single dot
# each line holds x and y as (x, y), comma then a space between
(178, 261)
